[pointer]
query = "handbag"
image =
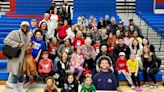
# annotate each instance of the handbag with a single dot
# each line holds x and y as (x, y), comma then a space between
(10, 51)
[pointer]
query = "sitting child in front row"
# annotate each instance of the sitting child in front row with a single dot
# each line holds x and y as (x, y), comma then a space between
(45, 65)
(133, 67)
(29, 66)
(88, 86)
(50, 86)
(70, 84)
(122, 67)
(77, 61)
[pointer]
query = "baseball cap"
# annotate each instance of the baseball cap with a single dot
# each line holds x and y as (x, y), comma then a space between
(121, 54)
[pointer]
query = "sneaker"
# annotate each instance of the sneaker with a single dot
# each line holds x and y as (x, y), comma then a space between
(20, 88)
(9, 85)
(15, 88)
(145, 85)
(154, 86)
(26, 82)
(133, 87)
(140, 88)
(137, 88)
(34, 82)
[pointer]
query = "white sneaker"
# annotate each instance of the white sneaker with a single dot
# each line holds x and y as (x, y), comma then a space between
(9, 85)
(133, 87)
(145, 85)
(15, 88)
(154, 86)
(20, 88)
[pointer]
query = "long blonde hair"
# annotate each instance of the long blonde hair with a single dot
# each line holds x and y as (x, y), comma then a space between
(149, 53)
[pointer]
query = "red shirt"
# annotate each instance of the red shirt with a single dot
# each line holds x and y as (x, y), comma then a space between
(121, 64)
(51, 48)
(78, 41)
(45, 66)
(96, 48)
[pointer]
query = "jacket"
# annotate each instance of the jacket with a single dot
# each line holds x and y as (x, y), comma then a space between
(105, 81)
(15, 65)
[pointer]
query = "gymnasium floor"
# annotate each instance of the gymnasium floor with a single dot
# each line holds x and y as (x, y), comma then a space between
(40, 88)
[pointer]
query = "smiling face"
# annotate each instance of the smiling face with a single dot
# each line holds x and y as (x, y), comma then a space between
(49, 83)
(70, 79)
(104, 65)
(88, 81)
(24, 28)
(38, 36)
(64, 56)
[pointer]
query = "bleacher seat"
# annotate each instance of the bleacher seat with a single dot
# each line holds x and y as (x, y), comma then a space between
(96, 8)
(156, 21)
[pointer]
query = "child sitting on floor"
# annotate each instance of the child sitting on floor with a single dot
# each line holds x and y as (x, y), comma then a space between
(45, 65)
(50, 86)
(70, 84)
(88, 86)
(77, 61)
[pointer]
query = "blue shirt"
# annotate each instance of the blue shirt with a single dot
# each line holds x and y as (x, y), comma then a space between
(38, 45)
(105, 81)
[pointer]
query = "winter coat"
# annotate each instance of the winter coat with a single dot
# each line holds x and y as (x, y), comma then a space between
(15, 65)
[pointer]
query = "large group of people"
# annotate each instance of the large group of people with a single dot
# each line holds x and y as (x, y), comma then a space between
(90, 52)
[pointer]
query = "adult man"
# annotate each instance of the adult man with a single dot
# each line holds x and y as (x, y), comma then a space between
(105, 79)
(18, 38)
(136, 28)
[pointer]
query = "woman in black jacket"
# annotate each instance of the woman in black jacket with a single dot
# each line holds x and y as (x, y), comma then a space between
(150, 67)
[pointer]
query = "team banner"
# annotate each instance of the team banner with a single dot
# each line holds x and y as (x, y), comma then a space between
(159, 6)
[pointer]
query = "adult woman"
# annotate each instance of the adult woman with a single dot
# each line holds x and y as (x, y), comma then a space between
(63, 67)
(149, 67)
(87, 49)
(18, 38)
(43, 28)
(55, 19)
(137, 50)
(52, 49)
(66, 47)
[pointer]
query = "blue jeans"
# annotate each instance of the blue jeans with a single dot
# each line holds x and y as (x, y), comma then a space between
(17, 79)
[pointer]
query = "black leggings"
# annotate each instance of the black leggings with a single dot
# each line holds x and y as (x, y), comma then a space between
(151, 72)
(135, 79)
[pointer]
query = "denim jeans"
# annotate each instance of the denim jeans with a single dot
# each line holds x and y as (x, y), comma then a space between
(17, 79)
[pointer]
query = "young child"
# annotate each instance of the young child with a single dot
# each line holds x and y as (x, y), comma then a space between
(50, 86)
(29, 66)
(71, 84)
(88, 65)
(77, 61)
(133, 66)
(45, 65)
(122, 68)
(88, 86)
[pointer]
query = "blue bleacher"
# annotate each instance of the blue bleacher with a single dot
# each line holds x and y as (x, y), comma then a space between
(96, 8)
(32, 7)
(156, 21)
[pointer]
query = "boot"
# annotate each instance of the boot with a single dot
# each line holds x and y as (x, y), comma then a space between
(20, 87)
(15, 88)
